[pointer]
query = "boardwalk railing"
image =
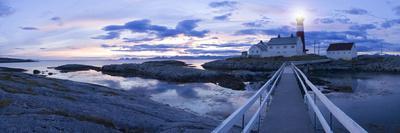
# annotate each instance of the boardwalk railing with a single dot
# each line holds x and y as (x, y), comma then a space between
(239, 115)
(344, 119)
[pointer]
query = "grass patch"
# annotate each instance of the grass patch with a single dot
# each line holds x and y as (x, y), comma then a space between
(5, 102)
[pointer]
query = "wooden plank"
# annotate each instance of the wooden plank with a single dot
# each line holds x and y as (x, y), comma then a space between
(287, 113)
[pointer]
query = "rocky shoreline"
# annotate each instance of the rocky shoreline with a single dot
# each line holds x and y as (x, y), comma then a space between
(169, 70)
(363, 63)
(33, 103)
(13, 60)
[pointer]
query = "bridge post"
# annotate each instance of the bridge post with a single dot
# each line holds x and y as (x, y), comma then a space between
(243, 121)
(315, 114)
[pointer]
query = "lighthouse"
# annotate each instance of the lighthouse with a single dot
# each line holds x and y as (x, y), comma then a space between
(300, 31)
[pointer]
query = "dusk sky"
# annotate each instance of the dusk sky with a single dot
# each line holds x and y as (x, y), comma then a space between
(93, 29)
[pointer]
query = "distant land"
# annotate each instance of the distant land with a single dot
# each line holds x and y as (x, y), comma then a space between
(182, 57)
(12, 60)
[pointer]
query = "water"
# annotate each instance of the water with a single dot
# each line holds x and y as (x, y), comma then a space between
(205, 99)
(375, 102)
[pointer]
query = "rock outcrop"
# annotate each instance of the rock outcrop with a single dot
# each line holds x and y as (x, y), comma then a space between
(363, 63)
(76, 67)
(31, 103)
(12, 60)
(173, 71)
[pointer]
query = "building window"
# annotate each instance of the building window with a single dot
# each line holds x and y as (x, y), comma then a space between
(278, 52)
(292, 46)
(284, 46)
(277, 47)
(270, 47)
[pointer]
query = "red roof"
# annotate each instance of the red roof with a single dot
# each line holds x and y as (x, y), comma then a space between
(340, 46)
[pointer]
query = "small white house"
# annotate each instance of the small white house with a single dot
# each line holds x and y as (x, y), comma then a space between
(345, 51)
(279, 46)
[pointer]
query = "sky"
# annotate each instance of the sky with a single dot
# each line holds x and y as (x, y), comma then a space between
(92, 29)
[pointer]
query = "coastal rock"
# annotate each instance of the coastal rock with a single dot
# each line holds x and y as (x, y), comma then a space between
(6, 69)
(36, 72)
(13, 60)
(76, 67)
(363, 63)
(255, 63)
(173, 71)
(40, 104)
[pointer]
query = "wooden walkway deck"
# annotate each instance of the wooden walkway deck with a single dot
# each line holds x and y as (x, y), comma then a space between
(287, 113)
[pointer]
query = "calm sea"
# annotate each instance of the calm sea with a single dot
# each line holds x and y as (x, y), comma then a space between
(375, 102)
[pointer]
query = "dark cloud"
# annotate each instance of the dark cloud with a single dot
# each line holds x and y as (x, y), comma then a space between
(58, 20)
(108, 46)
(363, 27)
(223, 17)
(203, 51)
(342, 20)
(284, 30)
(110, 35)
(55, 18)
(224, 45)
(355, 11)
(5, 10)
(145, 47)
(137, 40)
(223, 4)
(185, 27)
(28, 28)
(390, 23)
(397, 10)
(257, 23)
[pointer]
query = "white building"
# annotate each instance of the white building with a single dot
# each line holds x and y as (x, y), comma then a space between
(345, 51)
(280, 46)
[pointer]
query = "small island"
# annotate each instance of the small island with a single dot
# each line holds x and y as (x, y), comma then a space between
(14, 60)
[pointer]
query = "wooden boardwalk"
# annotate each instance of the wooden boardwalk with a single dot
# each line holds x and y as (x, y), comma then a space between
(287, 113)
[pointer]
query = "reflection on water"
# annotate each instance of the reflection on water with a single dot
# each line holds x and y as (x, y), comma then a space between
(375, 102)
(202, 98)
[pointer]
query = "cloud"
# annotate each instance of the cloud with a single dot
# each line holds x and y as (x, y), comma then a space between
(390, 23)
(185, 27)
(223, 17)
(355, 11)
(327, 20)
(145, 47)
(257, 23)
(357, 33)
(225, 45)
(284, 30)
(58, 20)
(137, 40)
(203, 51)
(108, 36)
(363, 27)
(396, 10)
(28, 28)
(223, 4)
(5, 10)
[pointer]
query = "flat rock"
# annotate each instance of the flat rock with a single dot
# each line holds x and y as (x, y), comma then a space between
(31, 103)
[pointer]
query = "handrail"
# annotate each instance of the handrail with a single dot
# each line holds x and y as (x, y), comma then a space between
(344, 119)
(252, 121)
(315, 108)
(228, 123)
